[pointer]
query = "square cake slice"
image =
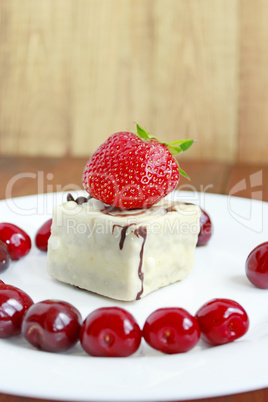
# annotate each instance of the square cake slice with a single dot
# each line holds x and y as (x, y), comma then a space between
(123, 255)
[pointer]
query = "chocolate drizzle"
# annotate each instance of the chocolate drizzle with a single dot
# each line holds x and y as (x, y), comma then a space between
(78, 200)
(141, 231)
(171, 209)
(114, 211)
(123, 233)
(70, 197)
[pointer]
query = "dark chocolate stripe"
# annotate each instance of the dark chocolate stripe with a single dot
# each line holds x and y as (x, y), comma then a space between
(123, 233)
(113, 211)
(141, 231)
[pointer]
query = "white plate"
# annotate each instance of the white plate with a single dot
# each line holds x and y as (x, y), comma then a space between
(148, 375)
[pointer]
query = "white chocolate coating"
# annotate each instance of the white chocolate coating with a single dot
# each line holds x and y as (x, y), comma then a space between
(123, 255)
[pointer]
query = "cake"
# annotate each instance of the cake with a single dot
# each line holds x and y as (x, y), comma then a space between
(122, 254)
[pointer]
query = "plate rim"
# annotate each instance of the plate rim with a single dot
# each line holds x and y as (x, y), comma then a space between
(193, 395)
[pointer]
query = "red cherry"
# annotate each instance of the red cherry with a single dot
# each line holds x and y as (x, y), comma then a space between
(110, 332)
(13, 305)
(17, 241)
(257, 266)
(52, 325)
(171, 330)
(43, 235)
(206, 229)
(222, 321)
(1, 282)
(4, 256)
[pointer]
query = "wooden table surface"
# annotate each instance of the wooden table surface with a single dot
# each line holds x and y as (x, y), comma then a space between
(25, 176)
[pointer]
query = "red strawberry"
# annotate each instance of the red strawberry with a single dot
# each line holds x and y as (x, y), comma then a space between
(133, 171)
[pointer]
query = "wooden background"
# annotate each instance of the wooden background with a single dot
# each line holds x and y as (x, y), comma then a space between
(72, 72)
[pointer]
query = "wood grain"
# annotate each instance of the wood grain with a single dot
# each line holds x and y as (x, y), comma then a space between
(198, 63)
(249, 181)
(74, 71)
(34, 77)
(253, 120)
(256, 396)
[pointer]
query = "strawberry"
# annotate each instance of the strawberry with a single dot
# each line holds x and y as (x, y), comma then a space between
(131, 171)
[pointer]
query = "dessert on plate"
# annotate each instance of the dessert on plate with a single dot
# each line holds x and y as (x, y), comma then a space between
(126, 240)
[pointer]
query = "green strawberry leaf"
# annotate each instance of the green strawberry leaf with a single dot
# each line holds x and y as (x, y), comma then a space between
(142, 133)
(174, 150)
(184, 144)
(176, 147)
(183, 173)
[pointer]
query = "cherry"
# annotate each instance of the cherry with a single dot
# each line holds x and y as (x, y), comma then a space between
(17, 241)
(222, 321)
(171, 330)
(1, 282)
(4, 256)
(43, 235)
(13, 305)
(206, 229)
(110, 332)
(257, 266)
(52, 325)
